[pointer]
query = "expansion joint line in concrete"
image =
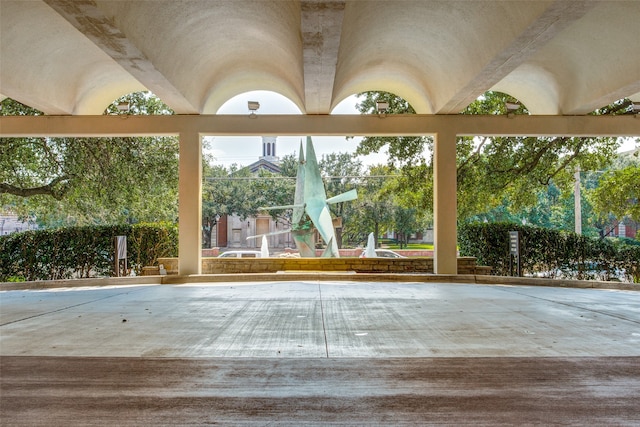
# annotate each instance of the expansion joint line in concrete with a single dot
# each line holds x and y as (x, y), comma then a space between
(62, 309)
(324, 328)
(578, 306)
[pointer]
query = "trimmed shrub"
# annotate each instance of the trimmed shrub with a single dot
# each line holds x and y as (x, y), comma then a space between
(550, 253)
(75, 252)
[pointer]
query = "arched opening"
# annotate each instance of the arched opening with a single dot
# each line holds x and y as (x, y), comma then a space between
(235, 153)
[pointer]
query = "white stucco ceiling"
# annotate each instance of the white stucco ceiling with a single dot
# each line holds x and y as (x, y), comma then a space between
(557, 57)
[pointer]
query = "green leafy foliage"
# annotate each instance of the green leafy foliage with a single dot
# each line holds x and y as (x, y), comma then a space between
(372, 211)
(406, 221)
(84, 181)
(86, 251)
(550, 253)
(554, 209)
(618, 193)
(489, 170)
(342, 173)
(238, 191)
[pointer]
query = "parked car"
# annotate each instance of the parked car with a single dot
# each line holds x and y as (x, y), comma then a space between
(240, 254)
(384, 253)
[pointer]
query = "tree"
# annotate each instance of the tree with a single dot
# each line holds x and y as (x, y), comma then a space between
(488, 169)
(91, 180)
(342, 172)
(619, 193)
(238, 191)
(211, 209)
(554, 209)
(373, 210)
(406, 221)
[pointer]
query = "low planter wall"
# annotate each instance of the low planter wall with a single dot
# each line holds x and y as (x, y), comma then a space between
(354, 252)
(466, 265)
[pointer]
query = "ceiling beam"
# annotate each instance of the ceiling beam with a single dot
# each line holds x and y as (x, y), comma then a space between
(87, 18)
(321, 24)
(320, 125)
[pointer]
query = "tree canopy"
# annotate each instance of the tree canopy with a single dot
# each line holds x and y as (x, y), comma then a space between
(91, 180)
(618, 193)
(488, 169)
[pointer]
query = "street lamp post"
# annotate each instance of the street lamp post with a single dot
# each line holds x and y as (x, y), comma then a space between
(577, 203)
(217, 231)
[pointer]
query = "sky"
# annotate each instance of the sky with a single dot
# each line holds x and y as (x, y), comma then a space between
(246, 150)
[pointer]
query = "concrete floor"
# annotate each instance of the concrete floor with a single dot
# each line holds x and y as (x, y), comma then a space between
(319, 353)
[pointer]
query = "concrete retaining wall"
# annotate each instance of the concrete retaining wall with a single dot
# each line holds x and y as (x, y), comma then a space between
(466, 265)
(354, 252)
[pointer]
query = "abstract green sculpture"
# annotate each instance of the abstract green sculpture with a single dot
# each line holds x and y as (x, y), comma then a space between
(311, 207)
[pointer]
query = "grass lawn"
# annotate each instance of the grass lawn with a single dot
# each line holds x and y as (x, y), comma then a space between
(427, 246)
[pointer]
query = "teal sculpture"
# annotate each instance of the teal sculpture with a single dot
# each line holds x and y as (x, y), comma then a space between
(311, 207)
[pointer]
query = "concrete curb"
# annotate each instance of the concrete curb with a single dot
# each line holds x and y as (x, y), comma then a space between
(77, 283)
(558, 283)
(317, 276)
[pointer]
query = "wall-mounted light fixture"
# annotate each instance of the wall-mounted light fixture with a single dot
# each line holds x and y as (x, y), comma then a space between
(123, 106)
(253, 107)
(511, 107)
(382, 107)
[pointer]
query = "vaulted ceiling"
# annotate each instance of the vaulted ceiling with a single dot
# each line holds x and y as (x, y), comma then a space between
(558, 57)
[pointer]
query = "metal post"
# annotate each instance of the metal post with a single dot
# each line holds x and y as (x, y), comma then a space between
(514, 252)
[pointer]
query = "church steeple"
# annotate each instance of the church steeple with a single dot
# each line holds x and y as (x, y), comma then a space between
(268, 160)
(269, 149)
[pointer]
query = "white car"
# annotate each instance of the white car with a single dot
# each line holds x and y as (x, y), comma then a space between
(384, 253)
(240, 254)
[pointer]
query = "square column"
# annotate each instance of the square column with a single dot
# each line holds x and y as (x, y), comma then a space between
(190, 204)
(445, 212)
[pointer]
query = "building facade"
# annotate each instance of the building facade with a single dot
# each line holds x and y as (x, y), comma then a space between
(10, 223)
(233, 232)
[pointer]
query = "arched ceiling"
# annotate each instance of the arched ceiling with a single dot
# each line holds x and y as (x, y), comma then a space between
(558, 57)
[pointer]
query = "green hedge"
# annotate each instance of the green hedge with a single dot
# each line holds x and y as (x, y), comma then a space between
(551, 253)
(75, 252)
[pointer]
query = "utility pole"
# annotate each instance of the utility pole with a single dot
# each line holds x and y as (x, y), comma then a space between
(577, 204)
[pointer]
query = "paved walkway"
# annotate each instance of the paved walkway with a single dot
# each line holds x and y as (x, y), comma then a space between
(319, 353)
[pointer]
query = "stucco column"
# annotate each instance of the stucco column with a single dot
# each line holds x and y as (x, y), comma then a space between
(444, 204)
(190, 204)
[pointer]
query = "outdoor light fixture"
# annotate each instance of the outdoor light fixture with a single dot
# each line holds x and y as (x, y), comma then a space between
(511, 107)
(382, 107)
(123, 107)
(253, 107)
